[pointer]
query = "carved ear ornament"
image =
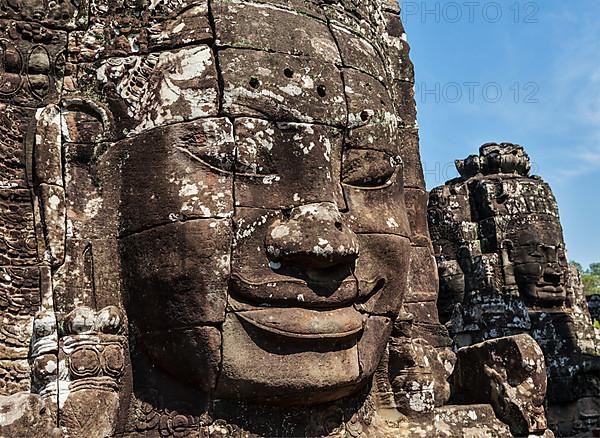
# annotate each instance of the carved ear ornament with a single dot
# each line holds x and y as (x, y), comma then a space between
(83, 320)
(45, 337)
(97, 360)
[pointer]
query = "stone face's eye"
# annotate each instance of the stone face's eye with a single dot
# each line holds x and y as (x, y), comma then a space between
(536, 252)
(209, 142)
(368, 168)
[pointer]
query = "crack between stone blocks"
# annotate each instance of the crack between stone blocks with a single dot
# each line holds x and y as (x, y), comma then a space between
(215, 51)
(284, 207)
(219, 116)
(359, 70)
(158, 50)
(220, 111)
(345, 129)
(166, 48)
(216, 325)
(231, 251)
(63, 176)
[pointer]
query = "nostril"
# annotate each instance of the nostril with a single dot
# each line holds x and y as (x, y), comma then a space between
(378, 286)
(254, 82)
(286, 213)
(338, 226)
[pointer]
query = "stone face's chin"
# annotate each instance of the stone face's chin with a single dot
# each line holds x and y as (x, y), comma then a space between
(265, 364)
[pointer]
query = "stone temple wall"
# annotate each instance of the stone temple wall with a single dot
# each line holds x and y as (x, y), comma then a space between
(594, 306)
(214, 223)
(503, 270)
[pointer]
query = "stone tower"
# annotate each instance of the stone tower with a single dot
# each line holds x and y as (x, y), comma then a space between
(503, 270)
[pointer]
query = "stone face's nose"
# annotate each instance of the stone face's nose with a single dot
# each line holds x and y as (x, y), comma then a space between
(311, 236)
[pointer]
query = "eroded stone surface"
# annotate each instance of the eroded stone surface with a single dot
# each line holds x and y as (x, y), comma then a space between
(510, 374)
(25, 414)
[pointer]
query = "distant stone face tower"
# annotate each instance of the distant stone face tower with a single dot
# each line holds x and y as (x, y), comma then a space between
(213, 223)
(503, 270)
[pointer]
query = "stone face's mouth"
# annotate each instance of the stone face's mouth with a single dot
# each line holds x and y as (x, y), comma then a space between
(313, 317)
(550, 288)
(300, 323)
(294, 292)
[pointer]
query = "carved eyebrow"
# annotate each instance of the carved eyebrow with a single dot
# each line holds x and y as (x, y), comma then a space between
(223, 171)
(204, 162)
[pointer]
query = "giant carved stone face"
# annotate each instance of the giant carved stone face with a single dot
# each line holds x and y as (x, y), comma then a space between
(264, 246)
(540, 265)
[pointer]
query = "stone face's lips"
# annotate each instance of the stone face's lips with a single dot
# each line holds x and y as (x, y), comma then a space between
(304, 323)
(550, 289)
(296, 292)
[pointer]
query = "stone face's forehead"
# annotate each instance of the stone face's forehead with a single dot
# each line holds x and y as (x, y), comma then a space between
(546, 233)
(282, 87)
(511, 196)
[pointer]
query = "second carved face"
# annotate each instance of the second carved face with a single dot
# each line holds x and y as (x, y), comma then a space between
(540, 265)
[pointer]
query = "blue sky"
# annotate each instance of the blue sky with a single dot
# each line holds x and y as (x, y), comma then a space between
(545, 59)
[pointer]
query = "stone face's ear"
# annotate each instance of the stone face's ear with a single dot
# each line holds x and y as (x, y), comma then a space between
(48, 182)
(80, 365)
(508, 272)
(73, 121)
(452, 287)
(64, 153)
